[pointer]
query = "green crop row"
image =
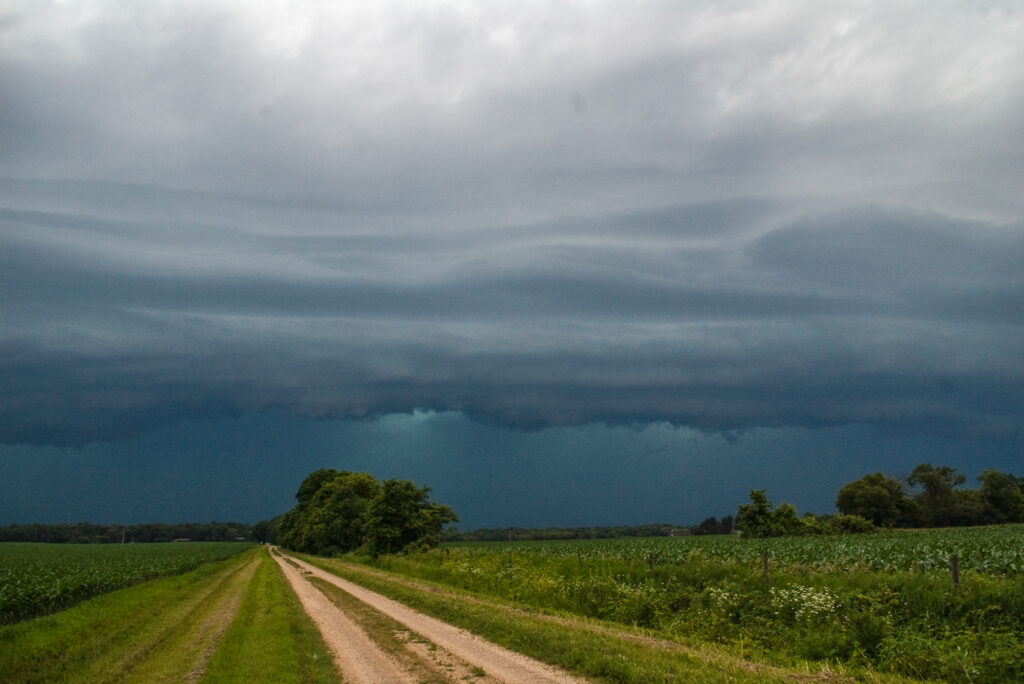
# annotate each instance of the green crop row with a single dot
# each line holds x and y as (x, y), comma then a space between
(36, 579)
(996, 550)
(886, 602)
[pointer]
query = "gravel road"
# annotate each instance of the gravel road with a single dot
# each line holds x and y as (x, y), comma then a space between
(362, 661)
(357, 658)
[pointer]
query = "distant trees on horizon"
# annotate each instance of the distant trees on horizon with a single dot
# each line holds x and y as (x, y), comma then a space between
(928, 497)
(343, 511)
(92, 533)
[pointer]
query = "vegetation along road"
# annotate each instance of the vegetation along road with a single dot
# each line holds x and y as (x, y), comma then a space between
(449, 650)
(264, 615)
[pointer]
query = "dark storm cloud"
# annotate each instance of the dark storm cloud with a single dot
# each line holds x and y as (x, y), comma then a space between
(770, 214)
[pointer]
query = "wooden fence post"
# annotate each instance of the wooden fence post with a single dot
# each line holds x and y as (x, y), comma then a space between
(954, 562)
(766, 579)
(650, 560)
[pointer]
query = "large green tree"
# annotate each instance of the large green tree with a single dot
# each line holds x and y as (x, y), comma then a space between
(941, 503)
(402, 516)
(878, 498)
(1002, 496)
(937, 498)
(337, 512)
(336, 516)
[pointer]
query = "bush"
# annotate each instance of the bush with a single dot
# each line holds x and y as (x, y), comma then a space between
(848, 524)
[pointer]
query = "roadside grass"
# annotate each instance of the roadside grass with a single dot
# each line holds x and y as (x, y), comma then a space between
(271, 638)
(587, 647)
(183, 653)
(38, 578)
(111, 637)
(914, 623)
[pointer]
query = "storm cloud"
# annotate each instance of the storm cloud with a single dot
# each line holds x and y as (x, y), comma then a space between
(717, 215)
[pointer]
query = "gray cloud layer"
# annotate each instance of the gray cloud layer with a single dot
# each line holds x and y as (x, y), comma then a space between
(721, 215)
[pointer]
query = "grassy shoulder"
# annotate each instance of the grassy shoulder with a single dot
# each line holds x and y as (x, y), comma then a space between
(271, 638)
(38, 578)
(589, 647)
(155, 631)
(914, 623)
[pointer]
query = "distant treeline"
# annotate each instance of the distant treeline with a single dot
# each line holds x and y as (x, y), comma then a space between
(90, 533)
(930, 496)
(556, 533)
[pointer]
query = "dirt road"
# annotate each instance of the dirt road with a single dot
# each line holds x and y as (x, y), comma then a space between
(356, 656)
(361, 660)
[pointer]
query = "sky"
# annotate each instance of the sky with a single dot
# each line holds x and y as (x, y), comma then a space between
(568, 263)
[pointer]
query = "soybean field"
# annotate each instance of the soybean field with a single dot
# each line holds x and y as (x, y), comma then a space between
(36, 579)
(996, 551)
(934, 604)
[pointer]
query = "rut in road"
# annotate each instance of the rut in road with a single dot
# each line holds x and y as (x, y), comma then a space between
(356, 656)
(499, 664)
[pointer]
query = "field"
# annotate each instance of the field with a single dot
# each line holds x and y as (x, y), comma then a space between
(230, 620)
(36, 579)
(996, 550)
(886, 602)
(873, 608)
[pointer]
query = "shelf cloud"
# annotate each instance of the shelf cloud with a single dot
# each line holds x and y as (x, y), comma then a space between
(721, 216)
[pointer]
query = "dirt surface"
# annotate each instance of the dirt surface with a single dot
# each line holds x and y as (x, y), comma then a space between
(357, 658)
(825, 674)
(498, 663)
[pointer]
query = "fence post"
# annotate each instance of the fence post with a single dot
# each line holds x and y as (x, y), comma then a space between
(650, 560)
(766, 580)
(954, 562)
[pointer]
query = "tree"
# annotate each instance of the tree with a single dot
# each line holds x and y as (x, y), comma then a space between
(878, 498)
(754, 519)
(401, 516)
(343, 511)
(937, 498)
(1001, 497)
(784, 522)
(336, 514)
(312, 484)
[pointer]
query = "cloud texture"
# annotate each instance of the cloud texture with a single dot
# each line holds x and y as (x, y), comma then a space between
(720, 215)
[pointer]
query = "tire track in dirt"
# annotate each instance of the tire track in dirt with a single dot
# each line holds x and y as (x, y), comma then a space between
(356, 656)
(211, 630)
(497, 662)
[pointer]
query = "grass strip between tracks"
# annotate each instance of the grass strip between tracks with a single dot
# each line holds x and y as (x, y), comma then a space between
(235, 620)
(107, 638)
(271, 638)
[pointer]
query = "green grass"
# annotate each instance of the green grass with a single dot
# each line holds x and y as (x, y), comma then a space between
(868, 616)
(586, 647)
(36, 579)
(271, 639)
(994, 550)
(132, 630)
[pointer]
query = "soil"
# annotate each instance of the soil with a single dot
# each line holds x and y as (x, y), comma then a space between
(360, 660)
(355, 655)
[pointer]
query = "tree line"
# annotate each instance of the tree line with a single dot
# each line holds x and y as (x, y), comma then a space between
(341, 511)
(92, 533)
(564, 533)
(930, 496)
